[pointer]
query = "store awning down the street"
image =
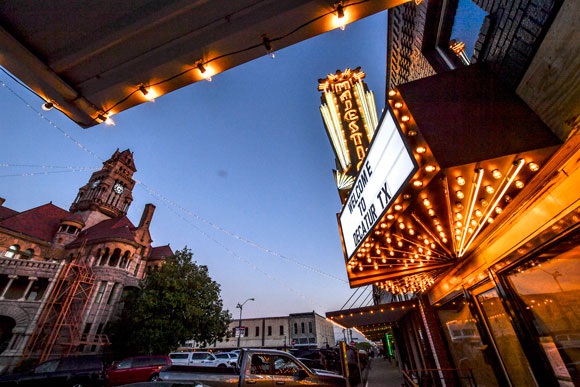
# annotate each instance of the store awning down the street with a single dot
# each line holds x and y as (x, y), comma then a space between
(372, 321)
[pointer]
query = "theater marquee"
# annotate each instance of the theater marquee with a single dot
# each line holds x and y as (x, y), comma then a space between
(387, 168)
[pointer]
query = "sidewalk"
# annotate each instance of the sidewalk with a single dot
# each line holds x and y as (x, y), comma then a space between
(382, 373)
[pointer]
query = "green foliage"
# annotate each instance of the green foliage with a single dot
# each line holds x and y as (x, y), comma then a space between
(177, 302)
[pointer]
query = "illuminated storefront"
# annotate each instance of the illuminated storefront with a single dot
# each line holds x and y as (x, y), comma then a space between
(482, 230)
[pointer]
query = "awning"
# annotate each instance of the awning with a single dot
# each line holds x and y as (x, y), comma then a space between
(372, 321)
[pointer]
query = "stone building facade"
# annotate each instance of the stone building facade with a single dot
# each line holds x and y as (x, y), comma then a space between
(293, 331)
(63, 273)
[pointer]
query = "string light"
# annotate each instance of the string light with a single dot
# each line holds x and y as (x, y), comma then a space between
(107, 120)
(340, 21)
(340, 15)
(268, 46)
(147, 93)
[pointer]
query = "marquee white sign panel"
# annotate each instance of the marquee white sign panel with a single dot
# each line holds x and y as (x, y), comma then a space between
(387, 167)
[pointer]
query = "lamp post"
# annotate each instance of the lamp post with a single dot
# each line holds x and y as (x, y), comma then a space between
(240, 323)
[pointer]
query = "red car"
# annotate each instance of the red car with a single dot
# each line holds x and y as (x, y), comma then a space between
(136, 369)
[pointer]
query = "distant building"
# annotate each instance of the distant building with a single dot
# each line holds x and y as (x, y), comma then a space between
(62, 273)
(295, 330)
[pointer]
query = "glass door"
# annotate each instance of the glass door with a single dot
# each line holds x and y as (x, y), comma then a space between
(465, 344)
(504, 336)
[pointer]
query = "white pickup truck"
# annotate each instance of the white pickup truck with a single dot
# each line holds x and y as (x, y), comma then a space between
(200, 359)
(255, 366)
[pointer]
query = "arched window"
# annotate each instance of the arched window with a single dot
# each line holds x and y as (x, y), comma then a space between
(13, 251)
(27, 254)
(125, 260)
(97, 258)
(115, 257)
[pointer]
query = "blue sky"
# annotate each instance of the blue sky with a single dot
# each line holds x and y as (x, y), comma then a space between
(240, 169)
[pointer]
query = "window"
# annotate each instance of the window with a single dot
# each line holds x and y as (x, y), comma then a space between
(295, 328)
(302, 327)
(269, 330)
(285, 366)
(309, 326)
(257, 331)
(548, 288)
(100, 292)
(260, 365)
(27, 254)
(124, 364)
(281, 330)
(12, 251)
(111, 298)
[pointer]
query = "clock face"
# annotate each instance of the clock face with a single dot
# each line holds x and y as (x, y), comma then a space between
(118, 188)
(96, 183)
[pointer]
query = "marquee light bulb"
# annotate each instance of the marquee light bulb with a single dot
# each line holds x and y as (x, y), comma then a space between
(533, 166)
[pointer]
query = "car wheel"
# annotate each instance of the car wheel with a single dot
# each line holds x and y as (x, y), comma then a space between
(154, 378)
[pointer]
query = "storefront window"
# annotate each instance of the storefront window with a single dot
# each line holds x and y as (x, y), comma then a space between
(465, 344)
(506, 340)
(550, 290)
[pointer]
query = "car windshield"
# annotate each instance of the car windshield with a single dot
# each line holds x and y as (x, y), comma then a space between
(49, 366)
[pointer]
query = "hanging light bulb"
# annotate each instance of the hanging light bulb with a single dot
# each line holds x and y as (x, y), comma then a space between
(204, 73)
(268, 46)
(107, 120)
(340, 20)
(147, 93)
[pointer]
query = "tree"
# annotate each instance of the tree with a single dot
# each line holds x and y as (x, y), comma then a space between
(177, 302)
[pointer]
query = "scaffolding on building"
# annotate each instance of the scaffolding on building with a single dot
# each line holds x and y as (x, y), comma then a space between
(57, 331)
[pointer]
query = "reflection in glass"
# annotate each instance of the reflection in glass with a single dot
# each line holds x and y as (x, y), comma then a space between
(549, 288)
(506, 340)
(465, 344)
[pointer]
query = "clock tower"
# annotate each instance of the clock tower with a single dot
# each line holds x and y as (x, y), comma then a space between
(108, 194)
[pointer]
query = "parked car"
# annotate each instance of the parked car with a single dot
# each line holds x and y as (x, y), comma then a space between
(200, 359)
(230, 357)
(257, 366)
(78, 371)
(136, 369)
(316, 358)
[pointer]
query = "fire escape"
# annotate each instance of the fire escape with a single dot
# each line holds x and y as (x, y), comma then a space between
(58, 328)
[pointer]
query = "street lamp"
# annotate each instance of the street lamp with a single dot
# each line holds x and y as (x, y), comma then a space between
(240, 323)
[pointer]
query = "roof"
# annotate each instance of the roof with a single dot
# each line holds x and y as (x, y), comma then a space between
(6, 212)
(41, 222)
(91, 61)
(116, 228)
(160, 252)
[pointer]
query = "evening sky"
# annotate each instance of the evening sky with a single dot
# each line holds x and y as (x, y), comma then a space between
(240, 169)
